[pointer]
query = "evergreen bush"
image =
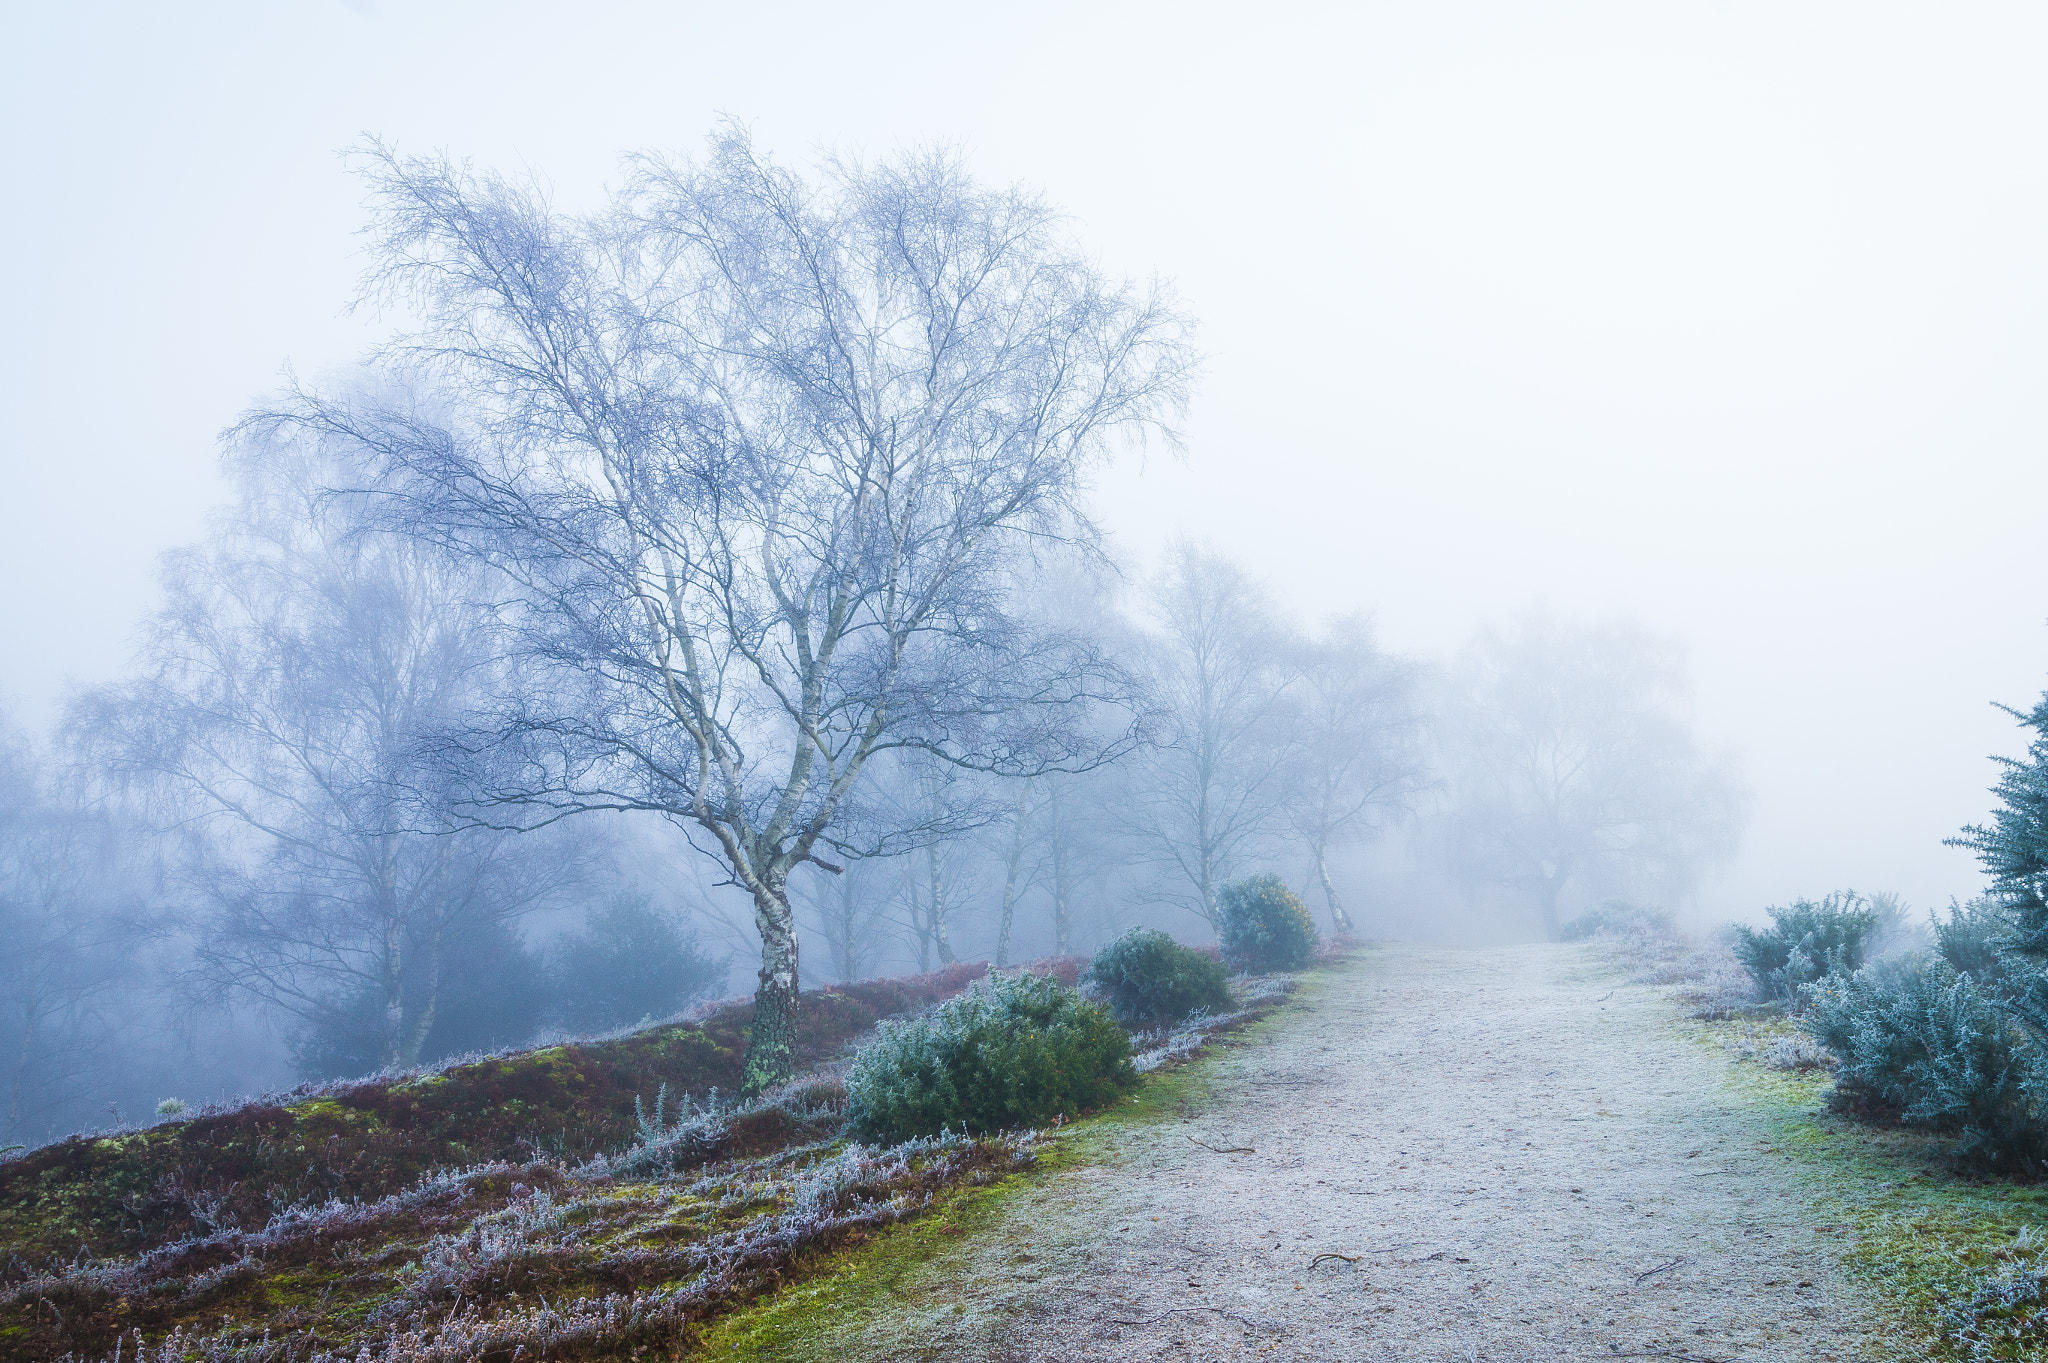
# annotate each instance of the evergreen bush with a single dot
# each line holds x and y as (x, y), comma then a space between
(1974, 939)
(1917, 1041)
(1148, 978)
(1013, 1051)
(1263, 926)
(1617, 915)
(1810, 941)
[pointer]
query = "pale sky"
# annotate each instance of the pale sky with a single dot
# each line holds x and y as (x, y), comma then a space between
(1730, 316)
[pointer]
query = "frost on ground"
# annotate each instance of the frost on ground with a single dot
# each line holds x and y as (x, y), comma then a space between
(1455, 1155)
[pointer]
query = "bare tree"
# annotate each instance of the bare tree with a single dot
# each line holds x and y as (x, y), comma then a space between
(1358, 759)
(756, 451)
(1017, 841)
(1571, 765)
(297, 663)
(850, 914)
(1215, 786)
(71, 923)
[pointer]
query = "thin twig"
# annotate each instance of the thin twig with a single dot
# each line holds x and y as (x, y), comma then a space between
(1249, 1322)
(1223, 1150)
(1661, 1268)
(1332, 1254)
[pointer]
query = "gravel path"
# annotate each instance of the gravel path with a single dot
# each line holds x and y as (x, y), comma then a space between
(1517, 1158)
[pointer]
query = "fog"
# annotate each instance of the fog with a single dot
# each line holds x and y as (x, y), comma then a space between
(1709, 335)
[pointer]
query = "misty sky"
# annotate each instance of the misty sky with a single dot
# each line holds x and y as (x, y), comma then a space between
(1730, 316)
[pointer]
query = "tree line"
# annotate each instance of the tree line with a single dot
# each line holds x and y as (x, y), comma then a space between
(749, 509)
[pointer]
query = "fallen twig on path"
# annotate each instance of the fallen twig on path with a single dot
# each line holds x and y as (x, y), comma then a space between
(1253, 1322)
(1661, 1268)
(1225, 1150)
(1332, 1254)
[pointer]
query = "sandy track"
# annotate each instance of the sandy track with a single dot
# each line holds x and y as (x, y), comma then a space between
(1526, 1160)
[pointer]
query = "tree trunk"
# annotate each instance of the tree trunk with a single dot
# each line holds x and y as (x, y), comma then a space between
(941, 936)
(1062, 903)
(420, 1022)
(393, 982)
(1010, 870)
(1340, 921)
(771, 1042)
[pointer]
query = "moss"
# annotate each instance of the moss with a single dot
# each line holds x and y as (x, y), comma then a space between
(887, 1290)
(1914, 1231)
(129, 1193)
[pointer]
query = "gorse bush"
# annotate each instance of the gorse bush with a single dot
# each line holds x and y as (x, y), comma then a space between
(1617, 916)
(1942, 1040)
(1974, 939)
(1263, 926)
(1810, 941)
(1149, 978)
(1013, 1051)
(1918, 1041)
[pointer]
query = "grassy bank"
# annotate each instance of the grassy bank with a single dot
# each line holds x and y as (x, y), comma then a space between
(942, 1286)
(1921, 1238)
(632, 1250)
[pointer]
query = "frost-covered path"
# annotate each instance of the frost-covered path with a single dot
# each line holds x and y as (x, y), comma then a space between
(1525, 1160)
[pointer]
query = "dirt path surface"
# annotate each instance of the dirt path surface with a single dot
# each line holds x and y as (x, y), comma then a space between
(1519, 1158)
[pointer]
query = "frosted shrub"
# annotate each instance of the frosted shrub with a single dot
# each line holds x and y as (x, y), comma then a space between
(1013, 1051)
(1919, 1041)
(1149, 979)
(1263, 926)
(1810, 941)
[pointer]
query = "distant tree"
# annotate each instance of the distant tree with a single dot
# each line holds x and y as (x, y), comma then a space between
(757, 453)
(628, 962)
(298, 663)
(1215, 785)
(71, 924)
(1016, 843)
(1358, 754)
(2013, 847)
(850, 914)
(1075, 836)
(1570, 764)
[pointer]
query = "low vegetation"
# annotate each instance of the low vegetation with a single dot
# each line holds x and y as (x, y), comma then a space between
(1812, 940)
(698, 1202)
(1013, 1051)
(133, 1191)
(1147, 979)
(1957, 1256)
(1263, 926)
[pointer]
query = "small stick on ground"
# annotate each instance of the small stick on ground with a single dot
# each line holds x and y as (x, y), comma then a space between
(1253, 1322)
(1226, 1150)
(1332, 1254)
(1653, 1272)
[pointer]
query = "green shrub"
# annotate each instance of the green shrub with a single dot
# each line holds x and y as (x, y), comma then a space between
(1263, 926)
(1149, 978)
(1974, 939)
(1013, 1051)
(1935, 1049)
(1617, 916)
(1810, 941)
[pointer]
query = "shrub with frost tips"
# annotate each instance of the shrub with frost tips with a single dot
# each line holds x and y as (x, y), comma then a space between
(1263, 926)
(1013, 1051)
(1148, 978)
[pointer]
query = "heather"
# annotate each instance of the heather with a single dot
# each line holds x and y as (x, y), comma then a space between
(560, 1238)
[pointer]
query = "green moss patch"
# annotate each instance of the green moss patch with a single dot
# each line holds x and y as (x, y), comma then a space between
(1917, 1234)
